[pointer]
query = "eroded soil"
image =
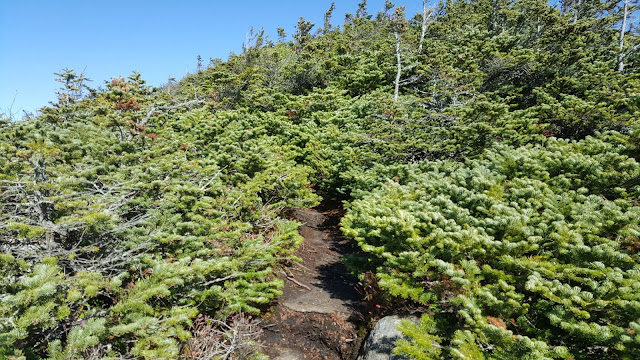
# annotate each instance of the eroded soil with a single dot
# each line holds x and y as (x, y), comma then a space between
(318, 315)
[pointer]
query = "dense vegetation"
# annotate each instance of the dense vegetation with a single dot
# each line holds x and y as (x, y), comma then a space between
(486, 151)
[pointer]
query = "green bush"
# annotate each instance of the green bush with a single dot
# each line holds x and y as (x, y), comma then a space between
(531, 252)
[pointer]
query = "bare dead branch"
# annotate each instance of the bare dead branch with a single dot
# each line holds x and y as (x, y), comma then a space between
(427, 14)
(235, 338)
(155, 109)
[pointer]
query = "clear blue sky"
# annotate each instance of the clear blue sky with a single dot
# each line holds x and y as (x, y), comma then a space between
(113, 37)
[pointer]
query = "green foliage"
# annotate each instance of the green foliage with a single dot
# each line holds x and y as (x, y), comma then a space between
(114, 248)
(500, 189)
(423, 344)
(522, 245)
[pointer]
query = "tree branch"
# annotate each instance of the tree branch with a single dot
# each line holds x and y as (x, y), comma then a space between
(154, 109)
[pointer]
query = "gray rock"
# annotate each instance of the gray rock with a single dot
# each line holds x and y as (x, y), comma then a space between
(382, 339)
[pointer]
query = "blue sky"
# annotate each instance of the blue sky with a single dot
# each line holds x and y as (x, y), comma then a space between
(157, 38)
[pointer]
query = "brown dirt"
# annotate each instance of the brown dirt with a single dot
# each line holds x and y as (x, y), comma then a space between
(318, 315)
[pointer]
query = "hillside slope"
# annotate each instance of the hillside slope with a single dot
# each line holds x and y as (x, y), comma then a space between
(486, 152)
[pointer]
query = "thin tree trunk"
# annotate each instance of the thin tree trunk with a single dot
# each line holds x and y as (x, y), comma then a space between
(425, 20)
(576, 8)
(623, 28)
(399, 63)
(494, 16)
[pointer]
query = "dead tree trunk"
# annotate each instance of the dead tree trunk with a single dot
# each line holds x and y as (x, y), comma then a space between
(494, 16)
(399, 67)
(425, 21)
(623, 28)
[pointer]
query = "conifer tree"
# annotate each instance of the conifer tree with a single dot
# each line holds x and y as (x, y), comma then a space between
(72, 91)
(303, 33)
(327, 18)
(362, 12)
(513, 246)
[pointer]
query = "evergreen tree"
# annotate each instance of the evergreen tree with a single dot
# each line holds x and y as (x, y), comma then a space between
(327, 18)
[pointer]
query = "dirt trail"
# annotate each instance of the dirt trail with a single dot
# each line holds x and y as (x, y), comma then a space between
(318, 314)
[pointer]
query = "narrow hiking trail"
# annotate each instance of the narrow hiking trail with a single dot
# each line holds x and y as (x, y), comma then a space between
(318, 314)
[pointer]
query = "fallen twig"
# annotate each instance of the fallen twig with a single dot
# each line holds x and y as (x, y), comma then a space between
(295, 281)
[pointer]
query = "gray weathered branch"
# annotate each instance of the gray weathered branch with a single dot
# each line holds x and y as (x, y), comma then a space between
(152, 110)
(427, 14)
